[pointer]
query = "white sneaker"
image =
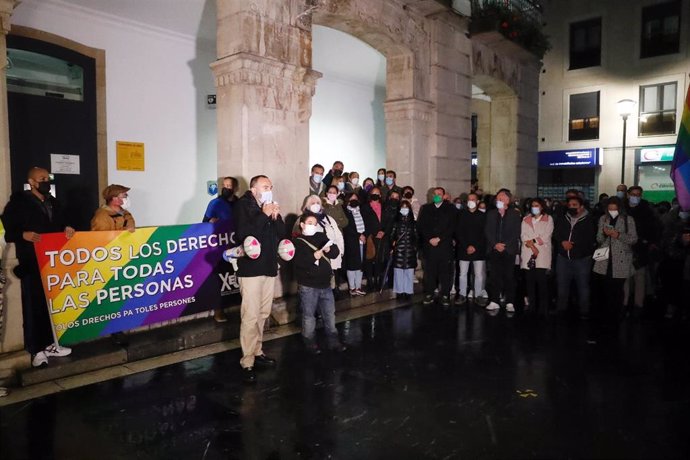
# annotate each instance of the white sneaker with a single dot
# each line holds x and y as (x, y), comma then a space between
(56, 350)
(510, 308)
(40, 359)
(493, 306)
(470, 295)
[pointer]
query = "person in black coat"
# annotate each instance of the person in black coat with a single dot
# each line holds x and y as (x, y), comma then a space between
(435, 231)
(355, 236)
(502, 231)
(378, 219)
(257, 215)
(313, 252)
(27, 215)
(470, 248)
(404, 240)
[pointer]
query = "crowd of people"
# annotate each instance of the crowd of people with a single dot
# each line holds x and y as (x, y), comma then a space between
(624, 255)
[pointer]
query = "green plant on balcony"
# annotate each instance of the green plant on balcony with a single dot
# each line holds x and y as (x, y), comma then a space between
(517, 23)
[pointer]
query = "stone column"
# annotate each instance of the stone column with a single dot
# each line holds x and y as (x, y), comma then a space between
(451, 92)
(408, 126)
(264, 86)
(12, 355)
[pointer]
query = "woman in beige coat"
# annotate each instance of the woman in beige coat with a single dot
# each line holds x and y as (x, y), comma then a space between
(616, 231)
(535, 260)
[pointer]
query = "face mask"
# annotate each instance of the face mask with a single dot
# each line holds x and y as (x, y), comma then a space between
(226, 193)
(613, 214)
(437, 199)
(471, 204)
(500, 205)
(482, 209)
(404, 211)
(354, 180)
(394, 203)
(368, 187)
(572, 211)
(458, 205)
(620, 194)
(381, 177)
(337, 172)
(389, 181)
(374, 197)
(266, 197)
(634, 200)
(684, 215)
(536, 211)
(125, 203)
(43, 188)
(341, 186)
(315, 208)
(332, 197)
(309, 230)
(408, 195)
(317, 178)
(354, 204)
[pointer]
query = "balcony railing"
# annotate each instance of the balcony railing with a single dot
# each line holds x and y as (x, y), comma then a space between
(518, 20)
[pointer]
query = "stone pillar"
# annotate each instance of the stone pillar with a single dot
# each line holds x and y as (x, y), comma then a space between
(451, 89)
(12, 355)
(527, 113)
(264, 86)
(408, 125)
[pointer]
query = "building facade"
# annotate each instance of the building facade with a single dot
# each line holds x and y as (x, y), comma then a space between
(605, 52)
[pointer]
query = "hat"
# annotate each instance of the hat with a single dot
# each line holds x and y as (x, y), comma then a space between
(113, 190)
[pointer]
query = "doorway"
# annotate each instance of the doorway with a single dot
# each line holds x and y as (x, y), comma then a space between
(52, 107)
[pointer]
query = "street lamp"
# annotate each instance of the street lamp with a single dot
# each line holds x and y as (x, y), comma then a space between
(625, 108)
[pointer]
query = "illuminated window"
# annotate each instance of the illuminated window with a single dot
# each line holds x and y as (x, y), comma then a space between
(658, 109)
(584, 116)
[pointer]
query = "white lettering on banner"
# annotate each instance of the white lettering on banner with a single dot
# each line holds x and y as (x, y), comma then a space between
(193, 243)
(126, 292)
(69, 257)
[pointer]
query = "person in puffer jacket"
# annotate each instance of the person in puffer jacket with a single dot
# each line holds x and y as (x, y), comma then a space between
(404, 240)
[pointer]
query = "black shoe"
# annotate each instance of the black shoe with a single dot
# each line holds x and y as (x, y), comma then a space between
(265, 361)
(428, 300)
(248, 375)
(460, 300)
(445, 301)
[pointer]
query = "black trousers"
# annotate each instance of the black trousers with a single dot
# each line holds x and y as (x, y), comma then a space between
(608, 297)
(501, 276)
(438, 271)
(38, 332)
(537, 285)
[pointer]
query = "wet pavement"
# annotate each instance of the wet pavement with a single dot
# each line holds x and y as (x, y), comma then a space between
(416, 382)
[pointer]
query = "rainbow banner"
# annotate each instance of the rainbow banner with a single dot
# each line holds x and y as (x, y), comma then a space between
(98, 283)
(680, 169)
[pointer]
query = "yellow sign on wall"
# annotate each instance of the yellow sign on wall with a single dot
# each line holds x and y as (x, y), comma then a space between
(130, 156)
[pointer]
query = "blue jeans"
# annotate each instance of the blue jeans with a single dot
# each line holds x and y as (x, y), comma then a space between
(580, 271)
(310, 300)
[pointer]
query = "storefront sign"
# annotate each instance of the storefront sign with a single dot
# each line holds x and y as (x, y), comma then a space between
(582, 158)
(98, 283)
(656, 154)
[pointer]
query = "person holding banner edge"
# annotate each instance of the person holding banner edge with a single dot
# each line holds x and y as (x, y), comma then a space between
(28, 214)
(257, 215)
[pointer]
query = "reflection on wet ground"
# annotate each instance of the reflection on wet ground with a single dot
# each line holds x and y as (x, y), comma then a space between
(416, 382)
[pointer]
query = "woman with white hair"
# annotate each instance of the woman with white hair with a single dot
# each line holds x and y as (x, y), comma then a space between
(327, 224)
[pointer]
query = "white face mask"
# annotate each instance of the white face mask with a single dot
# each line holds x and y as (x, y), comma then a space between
(317, 178)
(613, 214)
(125, 203)
(315, 208)
(309, 230)
(354, 180)
(482, 209)
(500, 205)
(404, 211)
(266, 197)
(471, 204)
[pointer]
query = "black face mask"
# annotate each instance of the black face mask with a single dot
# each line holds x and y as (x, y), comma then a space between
(374, 197)
(354, 204)
(572, 211)
(394, 203)
(226, 192)
(408, 195)
(43, 188)
(337, 172)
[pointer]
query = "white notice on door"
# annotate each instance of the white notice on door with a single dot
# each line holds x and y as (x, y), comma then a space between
(64, 164)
